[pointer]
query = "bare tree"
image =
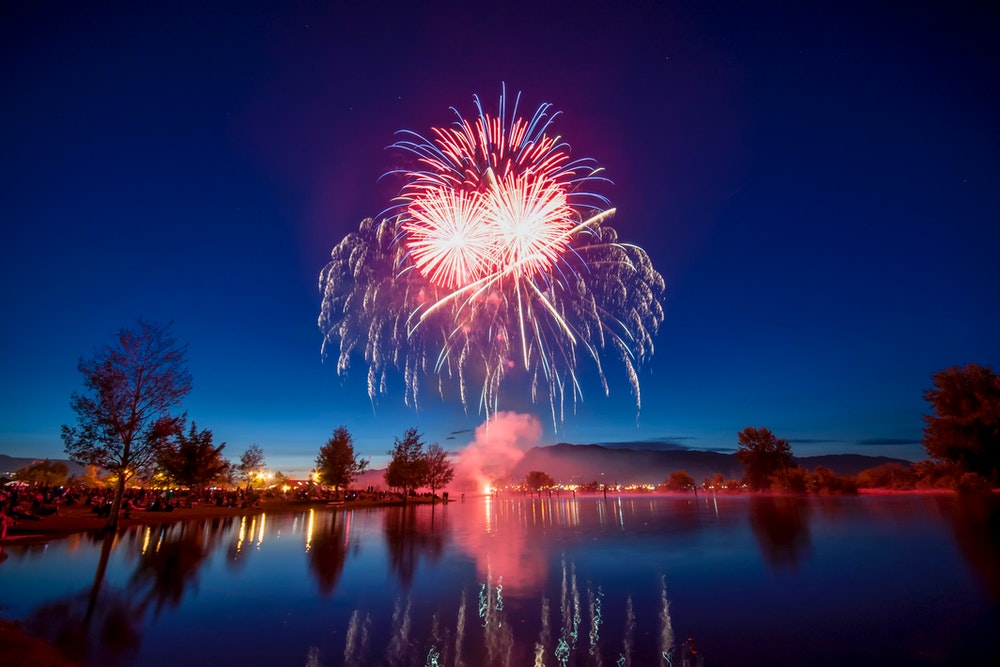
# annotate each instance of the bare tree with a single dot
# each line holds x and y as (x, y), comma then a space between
(124, 419)
(251, 464)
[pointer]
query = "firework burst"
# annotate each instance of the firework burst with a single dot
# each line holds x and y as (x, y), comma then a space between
(495, 258)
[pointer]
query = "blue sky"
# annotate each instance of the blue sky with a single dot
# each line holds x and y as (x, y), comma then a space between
(818, 183)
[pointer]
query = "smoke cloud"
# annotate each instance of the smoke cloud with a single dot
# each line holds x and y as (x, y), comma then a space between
(498, 445)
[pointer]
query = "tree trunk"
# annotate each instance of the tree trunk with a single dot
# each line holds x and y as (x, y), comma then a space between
(116, 504)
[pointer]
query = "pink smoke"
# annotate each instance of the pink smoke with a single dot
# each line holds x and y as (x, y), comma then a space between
(499, 444)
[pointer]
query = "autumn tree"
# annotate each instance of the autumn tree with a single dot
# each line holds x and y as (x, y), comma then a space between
(193, 460)
(762, 454)
(125, 417)
(252, 465)
(965, 427)
(43, 473)
(407, 469)
(680, 480)
(440, 470)
(536, 480)
(337, 464)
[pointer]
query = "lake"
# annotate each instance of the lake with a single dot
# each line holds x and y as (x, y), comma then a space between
(513, 580)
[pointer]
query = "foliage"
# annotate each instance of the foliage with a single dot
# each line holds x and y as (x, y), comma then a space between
(791, 479)
(536, 480)
(337, 464)
(887, 476)
(824, 481)
(440, 470)
(43, 473)
(251, 465)
(124, 419)
(193, 461)
(407, 469)
(965, 429)
(762, 454)
(679, 480)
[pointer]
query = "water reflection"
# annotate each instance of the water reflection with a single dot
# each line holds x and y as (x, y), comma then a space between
(573, 631)
(975, 522)
(530, 581)
(411, 535)
(96, 623)
(327, 548)
(781, 526)
(164, 573)
(103, 624)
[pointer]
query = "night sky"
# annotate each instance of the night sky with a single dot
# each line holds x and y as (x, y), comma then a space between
(818, 183)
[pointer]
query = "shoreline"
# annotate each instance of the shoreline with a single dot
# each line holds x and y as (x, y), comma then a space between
(75, 520)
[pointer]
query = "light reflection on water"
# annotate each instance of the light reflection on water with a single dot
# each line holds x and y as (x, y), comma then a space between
(512, 580)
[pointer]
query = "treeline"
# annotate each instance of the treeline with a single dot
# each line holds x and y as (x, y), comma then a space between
(129, 427)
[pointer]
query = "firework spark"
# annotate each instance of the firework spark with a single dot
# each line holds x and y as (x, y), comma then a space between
(494, 259)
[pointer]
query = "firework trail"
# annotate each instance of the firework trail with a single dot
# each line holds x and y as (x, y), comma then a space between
(460, 632)
(666, 627)
(594, 604)
(544, 635)
(400, 645)
(625, 658)
(356, 644)
(494, 259)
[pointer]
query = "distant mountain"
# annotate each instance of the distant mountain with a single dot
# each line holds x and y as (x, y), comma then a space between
(11, 464)
(586, 463)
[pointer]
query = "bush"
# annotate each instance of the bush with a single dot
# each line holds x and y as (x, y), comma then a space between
(680, 481)
(789, 480)
(888, 476)
(825, 482)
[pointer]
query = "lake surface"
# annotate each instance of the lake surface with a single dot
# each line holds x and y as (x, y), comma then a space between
(509, 580)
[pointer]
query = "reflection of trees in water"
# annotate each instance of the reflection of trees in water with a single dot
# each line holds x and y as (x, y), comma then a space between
(94, 623)
(328, 550)
(410, 534)
(781, 526)
(975, 522)
(165, 573)
(103, 624)
(240, 547)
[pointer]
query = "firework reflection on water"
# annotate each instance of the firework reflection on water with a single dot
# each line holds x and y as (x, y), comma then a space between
(494, 638)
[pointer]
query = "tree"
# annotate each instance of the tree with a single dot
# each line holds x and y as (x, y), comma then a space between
(679, 480)
(43, 473)
(440, 470)
(192, 460)
(407, 469)
(966, 427)
(536, 480)
(251, 465)
(762, 454)
(125, 417)
(337, 464)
